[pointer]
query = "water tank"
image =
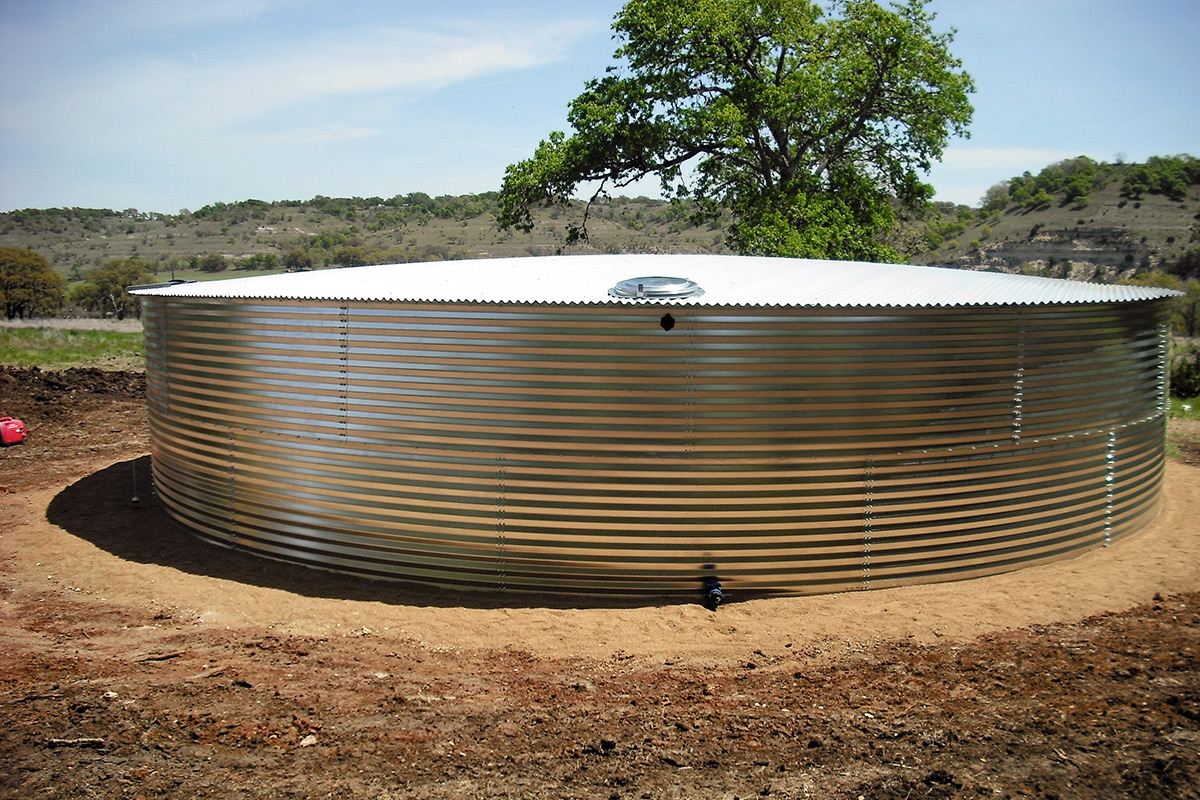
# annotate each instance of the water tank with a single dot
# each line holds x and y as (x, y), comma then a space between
(637, 424)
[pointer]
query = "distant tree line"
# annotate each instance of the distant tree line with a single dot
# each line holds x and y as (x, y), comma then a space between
(1072, 181)
(1166, 176)
(400, 209)
(56, 220)
(372, 213)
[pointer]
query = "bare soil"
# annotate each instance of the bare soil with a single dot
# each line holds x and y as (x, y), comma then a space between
(138, 661)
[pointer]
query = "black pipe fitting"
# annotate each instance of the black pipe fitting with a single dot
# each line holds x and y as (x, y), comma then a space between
(712, 593)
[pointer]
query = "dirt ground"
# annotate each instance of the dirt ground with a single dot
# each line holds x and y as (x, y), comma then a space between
(139, 662)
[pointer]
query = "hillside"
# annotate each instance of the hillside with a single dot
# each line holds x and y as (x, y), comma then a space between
(256, 235)
(1078, 219)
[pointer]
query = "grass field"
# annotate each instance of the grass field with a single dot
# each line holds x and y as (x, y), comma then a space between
(49, 347)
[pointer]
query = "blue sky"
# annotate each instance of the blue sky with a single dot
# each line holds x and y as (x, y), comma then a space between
(161, 105)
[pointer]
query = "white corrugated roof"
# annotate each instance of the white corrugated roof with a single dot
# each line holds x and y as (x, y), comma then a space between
(726, 281)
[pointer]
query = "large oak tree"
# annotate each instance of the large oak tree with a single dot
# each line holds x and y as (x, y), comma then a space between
(805, 120)
(29, 286)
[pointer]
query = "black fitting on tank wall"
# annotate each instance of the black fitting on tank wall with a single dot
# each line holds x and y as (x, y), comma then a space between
(712, 593)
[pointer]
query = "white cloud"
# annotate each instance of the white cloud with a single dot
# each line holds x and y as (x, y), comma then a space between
(364, 62)
(194, 93)
(1017, 159)
(229, 96)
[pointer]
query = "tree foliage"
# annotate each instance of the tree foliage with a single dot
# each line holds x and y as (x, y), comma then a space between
(1185, 372)
(298, 260)
(1188, 265)
(213, 262)
(259, 261)
(1185, 308)
(1075, 178)
(1167, 176)
(803, 122)
(104, 290)
(29, 286)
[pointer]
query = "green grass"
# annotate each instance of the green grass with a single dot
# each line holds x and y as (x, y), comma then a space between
(1183, 408)
(1183, 435)
(50, 348)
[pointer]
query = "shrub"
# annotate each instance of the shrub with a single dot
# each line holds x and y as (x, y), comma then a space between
(1185, 373)
(351, 256)
(213, 262)
(298, 260)
(1040, 200)
(1188, 265)
(259, 261)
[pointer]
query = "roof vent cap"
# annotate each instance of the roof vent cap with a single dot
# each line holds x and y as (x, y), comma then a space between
(656, 287)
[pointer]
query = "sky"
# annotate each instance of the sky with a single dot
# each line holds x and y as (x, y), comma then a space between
(162, 105)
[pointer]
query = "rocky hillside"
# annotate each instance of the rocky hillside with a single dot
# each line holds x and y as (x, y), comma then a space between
(1076, 219)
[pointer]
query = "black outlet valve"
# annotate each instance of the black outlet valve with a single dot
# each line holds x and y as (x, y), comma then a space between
(713, 596)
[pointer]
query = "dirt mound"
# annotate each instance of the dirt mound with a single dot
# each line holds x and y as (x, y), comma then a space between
(69, 413)
(140, 662)
(35, 394)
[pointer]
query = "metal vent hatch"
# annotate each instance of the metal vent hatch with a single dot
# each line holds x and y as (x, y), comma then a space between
(656, 287)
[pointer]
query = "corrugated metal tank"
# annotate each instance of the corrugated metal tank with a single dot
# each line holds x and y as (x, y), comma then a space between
(790, 430)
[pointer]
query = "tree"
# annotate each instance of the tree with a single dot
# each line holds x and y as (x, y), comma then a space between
(1188, 265)
(29, 286)
(1042, 199)
(995, 198)
(104, 290)
(1020, 195)
(351, 256)
(1185, 308)
(804, 124)
(259, 261)
(1185, 372)
(1188, 310)
(298, 261)
(213, 262)
(1170, 176)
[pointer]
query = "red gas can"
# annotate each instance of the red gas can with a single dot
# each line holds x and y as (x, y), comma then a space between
(12, 430)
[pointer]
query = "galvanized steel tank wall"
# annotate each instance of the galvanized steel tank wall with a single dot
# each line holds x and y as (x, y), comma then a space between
(588, 448)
